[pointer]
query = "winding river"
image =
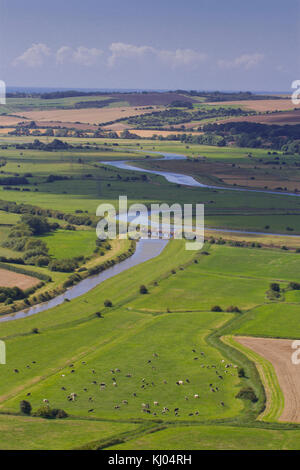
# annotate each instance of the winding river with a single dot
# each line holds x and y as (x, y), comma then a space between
(146, 249)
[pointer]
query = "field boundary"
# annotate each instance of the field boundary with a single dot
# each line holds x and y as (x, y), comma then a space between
(274, 396)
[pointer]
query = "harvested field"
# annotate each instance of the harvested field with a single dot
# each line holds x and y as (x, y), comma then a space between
(10, 120)
(279, 352)
(280, 118)
(12, 279)
(260, 105)
(90, 115)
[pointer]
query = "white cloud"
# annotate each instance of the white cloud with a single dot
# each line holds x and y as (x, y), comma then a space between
(120, 50)
(34, 56)
(64, 53)
(85, 56)
(82, 55)
(181, 57)
(245, 61)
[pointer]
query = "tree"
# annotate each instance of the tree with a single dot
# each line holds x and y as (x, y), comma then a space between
(275, 287)
(143, 289)
(38, 224)
(25, 407)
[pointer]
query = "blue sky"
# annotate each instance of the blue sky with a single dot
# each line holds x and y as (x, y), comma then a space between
(165, 44)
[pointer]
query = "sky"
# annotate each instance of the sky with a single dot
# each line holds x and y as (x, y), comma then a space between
(150, 44)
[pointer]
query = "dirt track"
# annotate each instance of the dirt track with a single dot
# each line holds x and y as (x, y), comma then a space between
(279, 352)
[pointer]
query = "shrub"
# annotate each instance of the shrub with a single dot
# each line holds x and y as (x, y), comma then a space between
(50, 413)
(25, 407)
(275, 287)
(143, 289)
(233, 309)
(247, 393)
(294, 285)
(216, 308)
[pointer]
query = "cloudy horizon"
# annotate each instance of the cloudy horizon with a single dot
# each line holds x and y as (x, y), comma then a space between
(199, 45)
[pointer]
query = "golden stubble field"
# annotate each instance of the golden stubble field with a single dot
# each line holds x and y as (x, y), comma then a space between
(90, 115)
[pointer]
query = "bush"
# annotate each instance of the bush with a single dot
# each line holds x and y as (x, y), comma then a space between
(50, 413)
(294, 285)
(275, 287)
(247, 393)
(143, 289)
(233, 309)
(25, 407)
(216, 308)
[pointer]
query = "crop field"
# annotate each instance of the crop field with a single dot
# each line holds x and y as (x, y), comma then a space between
(262, 105)
(11, 279)
(90, 115)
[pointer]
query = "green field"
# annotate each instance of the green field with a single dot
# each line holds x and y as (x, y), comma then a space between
(68, 244)
(156, 339)
(214, 438)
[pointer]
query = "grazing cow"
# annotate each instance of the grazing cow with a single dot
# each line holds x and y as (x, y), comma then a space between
(180, 382)
(94, 382)
(28, 394)
(71, 365)
(176, 409)
(85, 389)
(186, 398)
(115, 384)
(155, 355)
(134, 394)
(125, 402)
(196, 395)
(191, 414)
(90, 411)
(63, 388)
(73, 396)
(117, 370)
(164, 381)
(128, 375)
(16, 371)
(222, 403)
(195, 358)
(155, 403)
(187, 381)
(72, 371)
(117, 407)
(91, 399)
(45, 400)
